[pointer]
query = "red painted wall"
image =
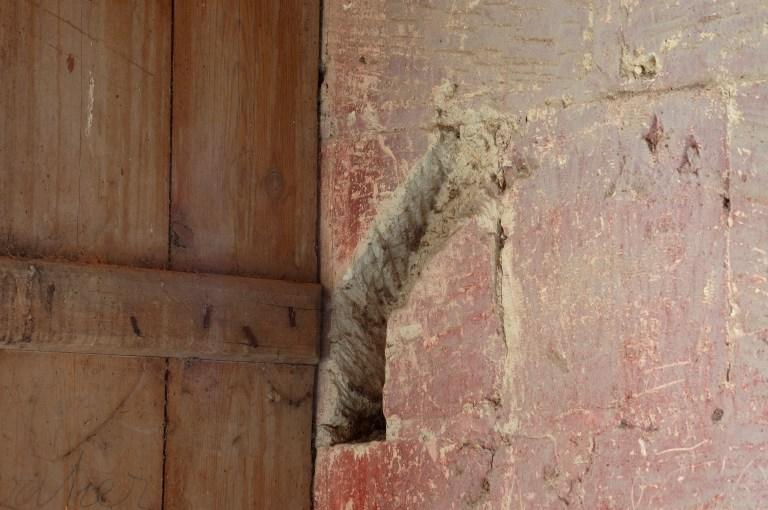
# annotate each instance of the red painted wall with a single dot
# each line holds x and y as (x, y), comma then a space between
(610, 350)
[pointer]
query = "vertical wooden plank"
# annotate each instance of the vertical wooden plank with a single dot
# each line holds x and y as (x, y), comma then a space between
(238, 436)
(244, 137)
(84, 129)
(80, 431)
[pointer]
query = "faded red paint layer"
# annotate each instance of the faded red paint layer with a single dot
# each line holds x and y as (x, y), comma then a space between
(627, 368)
(383, 475)
(445, 368)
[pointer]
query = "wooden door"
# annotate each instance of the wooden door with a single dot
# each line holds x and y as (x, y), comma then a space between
(158, 316)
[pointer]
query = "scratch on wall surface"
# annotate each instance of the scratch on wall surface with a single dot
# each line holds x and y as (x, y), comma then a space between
(91, 100)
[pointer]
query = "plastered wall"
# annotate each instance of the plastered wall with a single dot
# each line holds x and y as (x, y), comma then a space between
(544, 237)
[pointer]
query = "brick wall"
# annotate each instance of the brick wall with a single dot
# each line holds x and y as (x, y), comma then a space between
(597, 337)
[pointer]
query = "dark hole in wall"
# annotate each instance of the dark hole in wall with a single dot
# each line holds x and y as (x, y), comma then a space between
(367, 427)
(360, 330)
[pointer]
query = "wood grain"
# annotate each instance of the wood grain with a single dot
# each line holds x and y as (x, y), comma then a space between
(66, 307)
(80, 431)
(238, 436)
(98, 362)
(84, 129)
(244, 138)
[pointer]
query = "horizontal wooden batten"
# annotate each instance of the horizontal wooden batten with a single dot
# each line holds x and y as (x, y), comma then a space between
(98, 309)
